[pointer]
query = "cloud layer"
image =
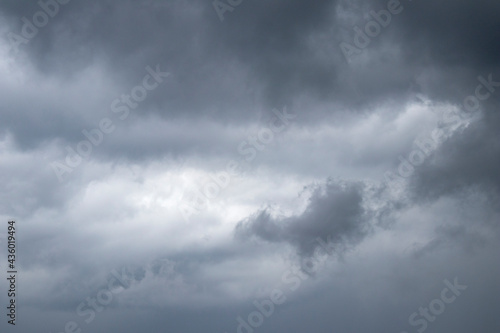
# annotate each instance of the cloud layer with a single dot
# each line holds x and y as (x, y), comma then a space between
(119, 117)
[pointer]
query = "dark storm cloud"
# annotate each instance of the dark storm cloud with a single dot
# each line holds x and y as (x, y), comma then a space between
(262, 51)
(451, 42)
(449, 33)
(262, 55)
(104, 35)
(468, 160)
(335, 212)
(274, 40)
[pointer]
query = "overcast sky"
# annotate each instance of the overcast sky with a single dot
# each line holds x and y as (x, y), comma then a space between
(251, 166)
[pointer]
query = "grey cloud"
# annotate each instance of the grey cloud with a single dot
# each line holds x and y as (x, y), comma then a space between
(261, 56)
(469, 159)
(335, 212)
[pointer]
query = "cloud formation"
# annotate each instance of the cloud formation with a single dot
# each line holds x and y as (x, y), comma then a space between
(418, 101)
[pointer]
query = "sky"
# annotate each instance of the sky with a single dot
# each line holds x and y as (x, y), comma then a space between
(251, 166)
